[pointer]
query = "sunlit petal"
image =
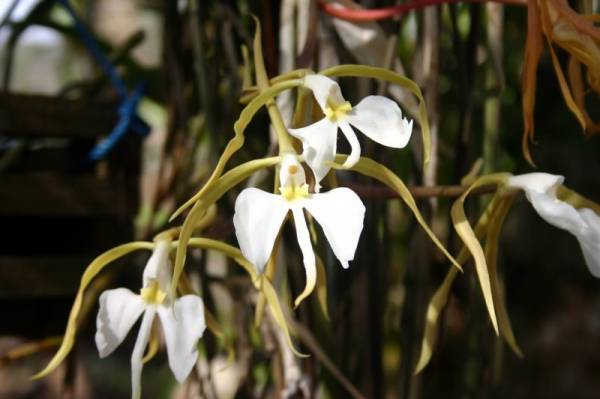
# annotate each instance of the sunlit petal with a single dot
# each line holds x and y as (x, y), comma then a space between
(257, 220)
(119, 310)
(380, 119)
(183, 325)
(307, 253)
(341, 214)
(138, 352)
(324, 89)
(354, 145)
(542, 182)
(319, 143)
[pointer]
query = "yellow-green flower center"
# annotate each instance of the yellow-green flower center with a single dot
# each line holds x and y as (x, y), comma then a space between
(295, 186)
(292, 193)
(153, 294)
(337, 111)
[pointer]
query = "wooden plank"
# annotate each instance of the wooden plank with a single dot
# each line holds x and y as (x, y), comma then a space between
(35, 318)
(42, 276)
(53, 195)
(44, 116)
(48, 236)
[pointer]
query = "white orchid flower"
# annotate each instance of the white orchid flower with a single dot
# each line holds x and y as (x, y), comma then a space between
(379, 118)
(182, 319)
(584, 224)
(259, 216)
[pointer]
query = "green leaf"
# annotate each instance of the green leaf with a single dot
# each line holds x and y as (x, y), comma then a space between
(262, 80)
(247, 69)
(464, 230)
(440, 298)
(434, 309)
(259, 64)
(491, 254)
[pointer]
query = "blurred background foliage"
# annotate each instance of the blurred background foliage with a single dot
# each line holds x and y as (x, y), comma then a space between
(468, 58)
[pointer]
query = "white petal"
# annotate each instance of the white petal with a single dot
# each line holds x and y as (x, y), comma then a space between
(324, 88)
(319, 143)
(354, 145)
(556, 212)
(540, 189)
(541, 182)
(341, 214)
(381, 120)
(119, 310)
(257, 220)
(158, 265)
(183, 325)
(583, 224)
(589, 239)
(308, 254)
(138, 352)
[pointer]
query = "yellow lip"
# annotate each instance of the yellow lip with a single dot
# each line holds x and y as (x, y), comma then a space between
(153, 294)
(293, 193)
(337, 111)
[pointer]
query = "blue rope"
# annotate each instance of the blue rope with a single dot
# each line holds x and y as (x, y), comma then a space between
(128, 118)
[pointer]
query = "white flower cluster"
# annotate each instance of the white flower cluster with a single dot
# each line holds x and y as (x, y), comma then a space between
(340, 212)
(258, 219)
(259, 216)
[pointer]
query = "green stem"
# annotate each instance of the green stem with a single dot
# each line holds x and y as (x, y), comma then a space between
(285, 145)
(283, 138)
(252, 91)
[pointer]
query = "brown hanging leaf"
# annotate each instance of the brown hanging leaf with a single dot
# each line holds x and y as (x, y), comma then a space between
(576, 34)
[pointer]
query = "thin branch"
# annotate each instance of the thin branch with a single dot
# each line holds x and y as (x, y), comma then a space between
(382, 193)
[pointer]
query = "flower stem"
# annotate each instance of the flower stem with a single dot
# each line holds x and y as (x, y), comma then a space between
(262, 80)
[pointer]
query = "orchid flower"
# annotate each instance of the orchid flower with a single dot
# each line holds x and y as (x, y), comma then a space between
(584, 224)
(259, 215)
(182, 319)
(379, 118)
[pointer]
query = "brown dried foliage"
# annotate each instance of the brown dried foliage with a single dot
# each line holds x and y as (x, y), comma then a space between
(575, 33)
